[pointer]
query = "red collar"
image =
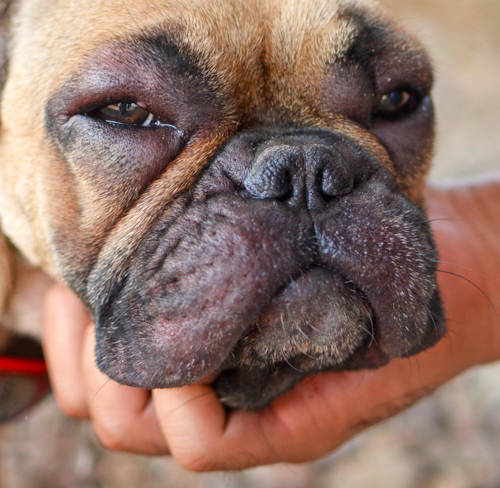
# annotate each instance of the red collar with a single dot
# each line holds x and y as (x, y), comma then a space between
(23, 377)
(22, 365)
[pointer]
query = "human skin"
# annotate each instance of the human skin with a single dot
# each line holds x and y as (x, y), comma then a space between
(325, 409)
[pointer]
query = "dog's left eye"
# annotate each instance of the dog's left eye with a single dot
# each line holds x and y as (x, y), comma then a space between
(126, 113)
(397, 103)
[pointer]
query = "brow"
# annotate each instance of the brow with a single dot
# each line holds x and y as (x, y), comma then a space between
(161, 49)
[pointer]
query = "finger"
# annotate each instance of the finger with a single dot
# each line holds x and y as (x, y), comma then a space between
(327, 409)
(202, 436)
(123, 417)
(194, 423)
(302, 425)
(311, 420)
(65, 320)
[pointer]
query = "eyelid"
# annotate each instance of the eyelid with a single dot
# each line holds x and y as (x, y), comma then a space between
(92, 112)
(409, 104)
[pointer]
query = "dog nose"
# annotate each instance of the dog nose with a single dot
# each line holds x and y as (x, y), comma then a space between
(299, 175)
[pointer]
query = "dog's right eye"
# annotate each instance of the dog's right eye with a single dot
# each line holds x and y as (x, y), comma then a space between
(397, 103)
(127, 113)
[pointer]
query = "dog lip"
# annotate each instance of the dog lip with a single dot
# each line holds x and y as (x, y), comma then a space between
(277, 336)
(232, 384)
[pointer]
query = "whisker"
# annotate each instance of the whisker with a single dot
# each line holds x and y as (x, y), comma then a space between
(282, 320)
(371, 332)
(432, 318)
(101, 387)
(292, 366)
(457, 275)
(438, 219)
(299, 328)
(313, 328)
(452, 263)
(450, 332)
(307, 355)
(187, 402)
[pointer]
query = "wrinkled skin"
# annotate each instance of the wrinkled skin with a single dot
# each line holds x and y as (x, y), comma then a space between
(268, 289)
(269, 227)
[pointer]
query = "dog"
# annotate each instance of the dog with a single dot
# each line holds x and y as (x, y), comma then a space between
(233, 188)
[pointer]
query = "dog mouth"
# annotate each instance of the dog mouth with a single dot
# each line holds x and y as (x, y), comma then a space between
(271, 358)
(297, 335)
(296, 324)
(262, 295)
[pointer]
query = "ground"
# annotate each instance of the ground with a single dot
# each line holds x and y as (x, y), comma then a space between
(450, 440)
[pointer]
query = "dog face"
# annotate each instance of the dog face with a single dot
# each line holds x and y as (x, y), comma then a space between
(232, 187)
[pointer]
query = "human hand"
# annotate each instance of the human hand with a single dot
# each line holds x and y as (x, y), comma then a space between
(322, 411)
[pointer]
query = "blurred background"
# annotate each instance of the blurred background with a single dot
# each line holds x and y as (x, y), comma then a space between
(450, 440)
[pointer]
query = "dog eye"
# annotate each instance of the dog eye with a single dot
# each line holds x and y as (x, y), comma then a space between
(126, 113)
(396, 103)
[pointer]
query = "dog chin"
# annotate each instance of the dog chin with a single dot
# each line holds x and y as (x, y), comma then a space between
(330, 326)
(254, 385)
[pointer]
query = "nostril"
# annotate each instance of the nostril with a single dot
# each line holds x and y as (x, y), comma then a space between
(285, 185)
(333, 177)
(305, 174)
(272, 182)
(274, 173)
(336, 181)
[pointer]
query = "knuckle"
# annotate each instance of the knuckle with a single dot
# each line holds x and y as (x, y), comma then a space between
(73, 407)
(111, 434)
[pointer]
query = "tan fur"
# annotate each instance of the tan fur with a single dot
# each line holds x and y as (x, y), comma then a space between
(50, 40)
